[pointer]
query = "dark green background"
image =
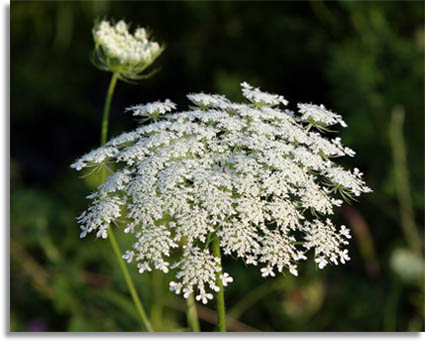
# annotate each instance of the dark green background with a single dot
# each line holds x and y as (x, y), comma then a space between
(360, 59)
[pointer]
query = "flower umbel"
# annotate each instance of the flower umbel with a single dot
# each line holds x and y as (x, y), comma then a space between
(254, 175)
(118, 51)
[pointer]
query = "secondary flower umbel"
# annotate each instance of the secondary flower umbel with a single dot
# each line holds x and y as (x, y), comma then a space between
(258, 177)
(117, 50)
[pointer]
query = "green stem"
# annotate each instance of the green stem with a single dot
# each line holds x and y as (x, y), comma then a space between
(157, 306)
(104, 136)
(221, 310)
(106, 109)
(191, 311)
(129, 281)
(192, 314)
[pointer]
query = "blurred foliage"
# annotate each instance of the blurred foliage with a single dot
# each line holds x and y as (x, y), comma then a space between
(361, 59)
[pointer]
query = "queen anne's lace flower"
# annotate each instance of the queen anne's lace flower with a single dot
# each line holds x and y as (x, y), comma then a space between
(117, 50)
(253, 175)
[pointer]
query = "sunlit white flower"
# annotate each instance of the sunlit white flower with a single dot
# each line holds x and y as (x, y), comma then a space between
(204, 297)
(293, 270)
(259, 178)
(175, 287)
(128, 256)
(226, 278)
(344, 256)
(345, 231)
(321, 261)
(251, 260)
(144, 266)
(267, 271)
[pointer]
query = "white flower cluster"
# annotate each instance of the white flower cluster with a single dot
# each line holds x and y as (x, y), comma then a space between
(319, 115)
(204, 100)
(119, 51)
(258, 97)
(152, 110)
(250, 174)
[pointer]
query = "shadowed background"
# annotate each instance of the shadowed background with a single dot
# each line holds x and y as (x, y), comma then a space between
(364, 60)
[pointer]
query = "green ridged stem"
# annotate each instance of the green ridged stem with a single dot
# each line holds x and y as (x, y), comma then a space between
(107, 108)
(157, 307)
(133, 292)
(191, 311)
(192, 314)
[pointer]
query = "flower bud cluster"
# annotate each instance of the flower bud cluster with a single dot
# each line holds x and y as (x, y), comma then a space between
(117, 50)
(254, 175)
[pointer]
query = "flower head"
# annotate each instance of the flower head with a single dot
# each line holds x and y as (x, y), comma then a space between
(119, 51)
(252, 174)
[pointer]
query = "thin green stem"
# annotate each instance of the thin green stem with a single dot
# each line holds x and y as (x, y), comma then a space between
(145, 321)
(158, 305)
(191, 310)
(104, 136)
(106, 109)
(192, 314)
(221, 310)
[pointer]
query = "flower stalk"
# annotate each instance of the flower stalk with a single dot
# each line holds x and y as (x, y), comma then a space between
(107, 108)
(157, 307)
(192, 314)
(133, 292)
